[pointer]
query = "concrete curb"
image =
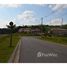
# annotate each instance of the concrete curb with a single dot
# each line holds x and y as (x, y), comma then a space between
(15, 55)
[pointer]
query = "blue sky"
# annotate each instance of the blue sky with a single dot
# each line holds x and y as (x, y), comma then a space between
(30, 14)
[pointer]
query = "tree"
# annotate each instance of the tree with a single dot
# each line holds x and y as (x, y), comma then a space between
(64, 26)
(11, 26)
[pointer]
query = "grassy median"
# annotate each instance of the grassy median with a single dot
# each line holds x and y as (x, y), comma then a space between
(5, 50)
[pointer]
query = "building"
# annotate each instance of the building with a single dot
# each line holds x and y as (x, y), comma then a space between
(24, 30)
(58, 31)
(29, 30)
(37, 30)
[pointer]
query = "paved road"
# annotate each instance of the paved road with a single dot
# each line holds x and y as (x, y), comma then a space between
(39, 51)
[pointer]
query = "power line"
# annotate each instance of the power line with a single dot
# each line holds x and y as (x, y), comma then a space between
(53, 12)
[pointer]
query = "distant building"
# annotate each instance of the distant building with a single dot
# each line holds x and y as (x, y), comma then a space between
(20, 30)
(29, 30)
(37, 30)
(58, 31)
(24, 30)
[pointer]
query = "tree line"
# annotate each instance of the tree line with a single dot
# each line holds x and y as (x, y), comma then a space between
(44, 28)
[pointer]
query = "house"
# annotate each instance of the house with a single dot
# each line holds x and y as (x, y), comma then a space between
(37, 30)
(24, 30)
(29, 30)
(20, 30)
(58, 31)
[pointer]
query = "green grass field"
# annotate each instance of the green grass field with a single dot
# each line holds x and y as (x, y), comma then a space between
(5, 50)
(56, 39)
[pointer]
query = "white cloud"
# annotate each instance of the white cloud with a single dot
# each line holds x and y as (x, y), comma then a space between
(3, 23)
(42, 5)
(27, 17)
(56, 21)
(57, 7)
(10, 5)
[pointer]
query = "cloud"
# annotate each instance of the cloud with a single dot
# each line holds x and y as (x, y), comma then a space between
(42, 5)
(3, 23)
(57, 7)
(56, 21)
(10, 5)
(28, 17)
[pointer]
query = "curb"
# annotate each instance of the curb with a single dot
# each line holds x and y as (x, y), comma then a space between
(15, 55)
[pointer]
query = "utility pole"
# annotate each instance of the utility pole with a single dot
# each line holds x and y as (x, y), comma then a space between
(41, 20)
(62, 22)
(41, 24)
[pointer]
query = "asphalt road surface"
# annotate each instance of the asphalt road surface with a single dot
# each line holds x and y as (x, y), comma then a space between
(38, 51)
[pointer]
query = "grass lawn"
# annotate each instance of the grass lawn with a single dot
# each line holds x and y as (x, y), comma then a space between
(5, 50)
(56, 39)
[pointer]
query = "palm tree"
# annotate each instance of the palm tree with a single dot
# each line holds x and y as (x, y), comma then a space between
(11, 26)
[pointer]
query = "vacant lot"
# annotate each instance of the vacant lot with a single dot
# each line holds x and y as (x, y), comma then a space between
(5, 50)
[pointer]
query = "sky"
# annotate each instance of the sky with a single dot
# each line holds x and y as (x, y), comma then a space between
(31, 14)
